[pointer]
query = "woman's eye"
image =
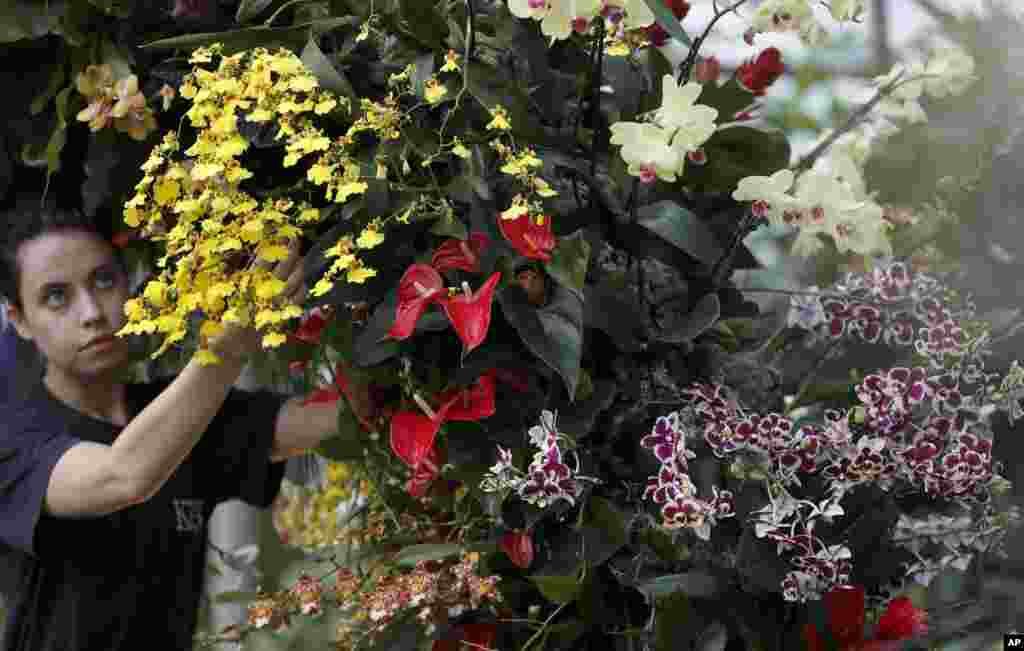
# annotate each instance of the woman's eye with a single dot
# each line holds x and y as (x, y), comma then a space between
(52, 294)
(106, 280)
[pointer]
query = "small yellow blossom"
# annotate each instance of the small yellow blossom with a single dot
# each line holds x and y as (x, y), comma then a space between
(460, 150)
(499, 119)
(451, 62)
(369, 238)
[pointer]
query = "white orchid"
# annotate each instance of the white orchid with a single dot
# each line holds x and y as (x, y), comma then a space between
(769, 193)
(556, 16)
(692, 123)
(637, 13)
(646, 150)
(844, 10)
(948, 72)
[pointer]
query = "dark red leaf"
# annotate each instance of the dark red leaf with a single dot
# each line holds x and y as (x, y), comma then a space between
(419, 286)
(472, 403)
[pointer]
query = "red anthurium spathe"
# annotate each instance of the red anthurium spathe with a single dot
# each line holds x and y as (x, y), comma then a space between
(530, 235)
(518, 545)
(420, 285)
(460, 254)
(413, 432)
(473, 403)
(470, 312)
(901, 621)
(845, 607)
(312, 327)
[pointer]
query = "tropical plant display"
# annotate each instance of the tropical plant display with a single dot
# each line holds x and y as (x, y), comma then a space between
(562, 423)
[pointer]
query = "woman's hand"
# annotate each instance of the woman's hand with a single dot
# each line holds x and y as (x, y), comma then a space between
(238, 342)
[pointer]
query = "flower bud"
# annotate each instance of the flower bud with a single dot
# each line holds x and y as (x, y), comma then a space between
(707, 69)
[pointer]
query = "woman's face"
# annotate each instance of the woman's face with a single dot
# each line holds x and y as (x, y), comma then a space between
(72, 290)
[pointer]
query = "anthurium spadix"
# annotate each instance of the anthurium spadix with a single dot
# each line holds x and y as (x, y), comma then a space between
(529, 234)
(419, 286)
(470, 312)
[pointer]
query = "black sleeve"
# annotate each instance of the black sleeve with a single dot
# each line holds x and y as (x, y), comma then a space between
(235, 450)
(31, 444)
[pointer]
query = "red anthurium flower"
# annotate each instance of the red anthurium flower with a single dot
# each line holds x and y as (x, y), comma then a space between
(420, 285)
(519, 547)
(470, 313)
(360, 398)
(425, 474)
(312, 326)
(901, 621)
(413, 433)
(472, 403)
(460, 254)
(530, 235)
(845, 607)
(759, 74)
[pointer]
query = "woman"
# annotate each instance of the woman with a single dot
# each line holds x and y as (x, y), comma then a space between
(106, 487)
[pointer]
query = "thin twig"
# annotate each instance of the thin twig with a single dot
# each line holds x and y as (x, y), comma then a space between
(595, 96)
(691, 57)
(470, 30)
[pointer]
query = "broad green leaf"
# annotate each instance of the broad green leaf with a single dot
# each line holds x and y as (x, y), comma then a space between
(424, 22)
(616, 311)
(116, 8)
(59, 137)
(694, 583)
(682, 229)
(554, 333)
(293, 38)
(413, 554)
(569, 261)
(20, 19)
(606, 516)
(249, 10)
(729, 98)
(326, 73)
(557, 589)
(691, 324)
(53, 86)
(735, 153)
(668, 21)
(449, 226)
(492, 87)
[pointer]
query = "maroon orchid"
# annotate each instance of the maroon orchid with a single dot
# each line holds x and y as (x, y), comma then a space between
(419, 286)
(470, 312)
(518, 546)
(460, 254)
(530, 235)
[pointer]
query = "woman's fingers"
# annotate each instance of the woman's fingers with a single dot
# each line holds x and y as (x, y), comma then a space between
(295, 289)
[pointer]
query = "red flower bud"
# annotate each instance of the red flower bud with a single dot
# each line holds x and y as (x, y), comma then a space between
(845, 608)
(707, 69)
(471, 314)
(519, 547)
(901, 621)
(530, 235)
(419, 286)
(460, 254)
(759, 74)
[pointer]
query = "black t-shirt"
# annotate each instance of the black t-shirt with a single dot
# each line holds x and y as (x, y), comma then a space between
(133, 578)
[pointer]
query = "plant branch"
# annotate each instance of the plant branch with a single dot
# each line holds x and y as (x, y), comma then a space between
(470, 32)
(691, 57)
(595, 95)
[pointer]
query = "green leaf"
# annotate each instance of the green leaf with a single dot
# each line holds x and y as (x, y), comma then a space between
(413, 554)
(569, 261)
(26, 20)
(606, 516)
(249, 10)
(735, 153)
(554, 333)
(372, 346)
(729, 98)
(694, 583)
(59, 137)
(668, 21)
(616, 311)
(492, 87)
(682, 229)
(424, 22)
(56, 80)
(449, 226)
(703, 315)
(557, 589)
(326, 73)
(293, 38)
